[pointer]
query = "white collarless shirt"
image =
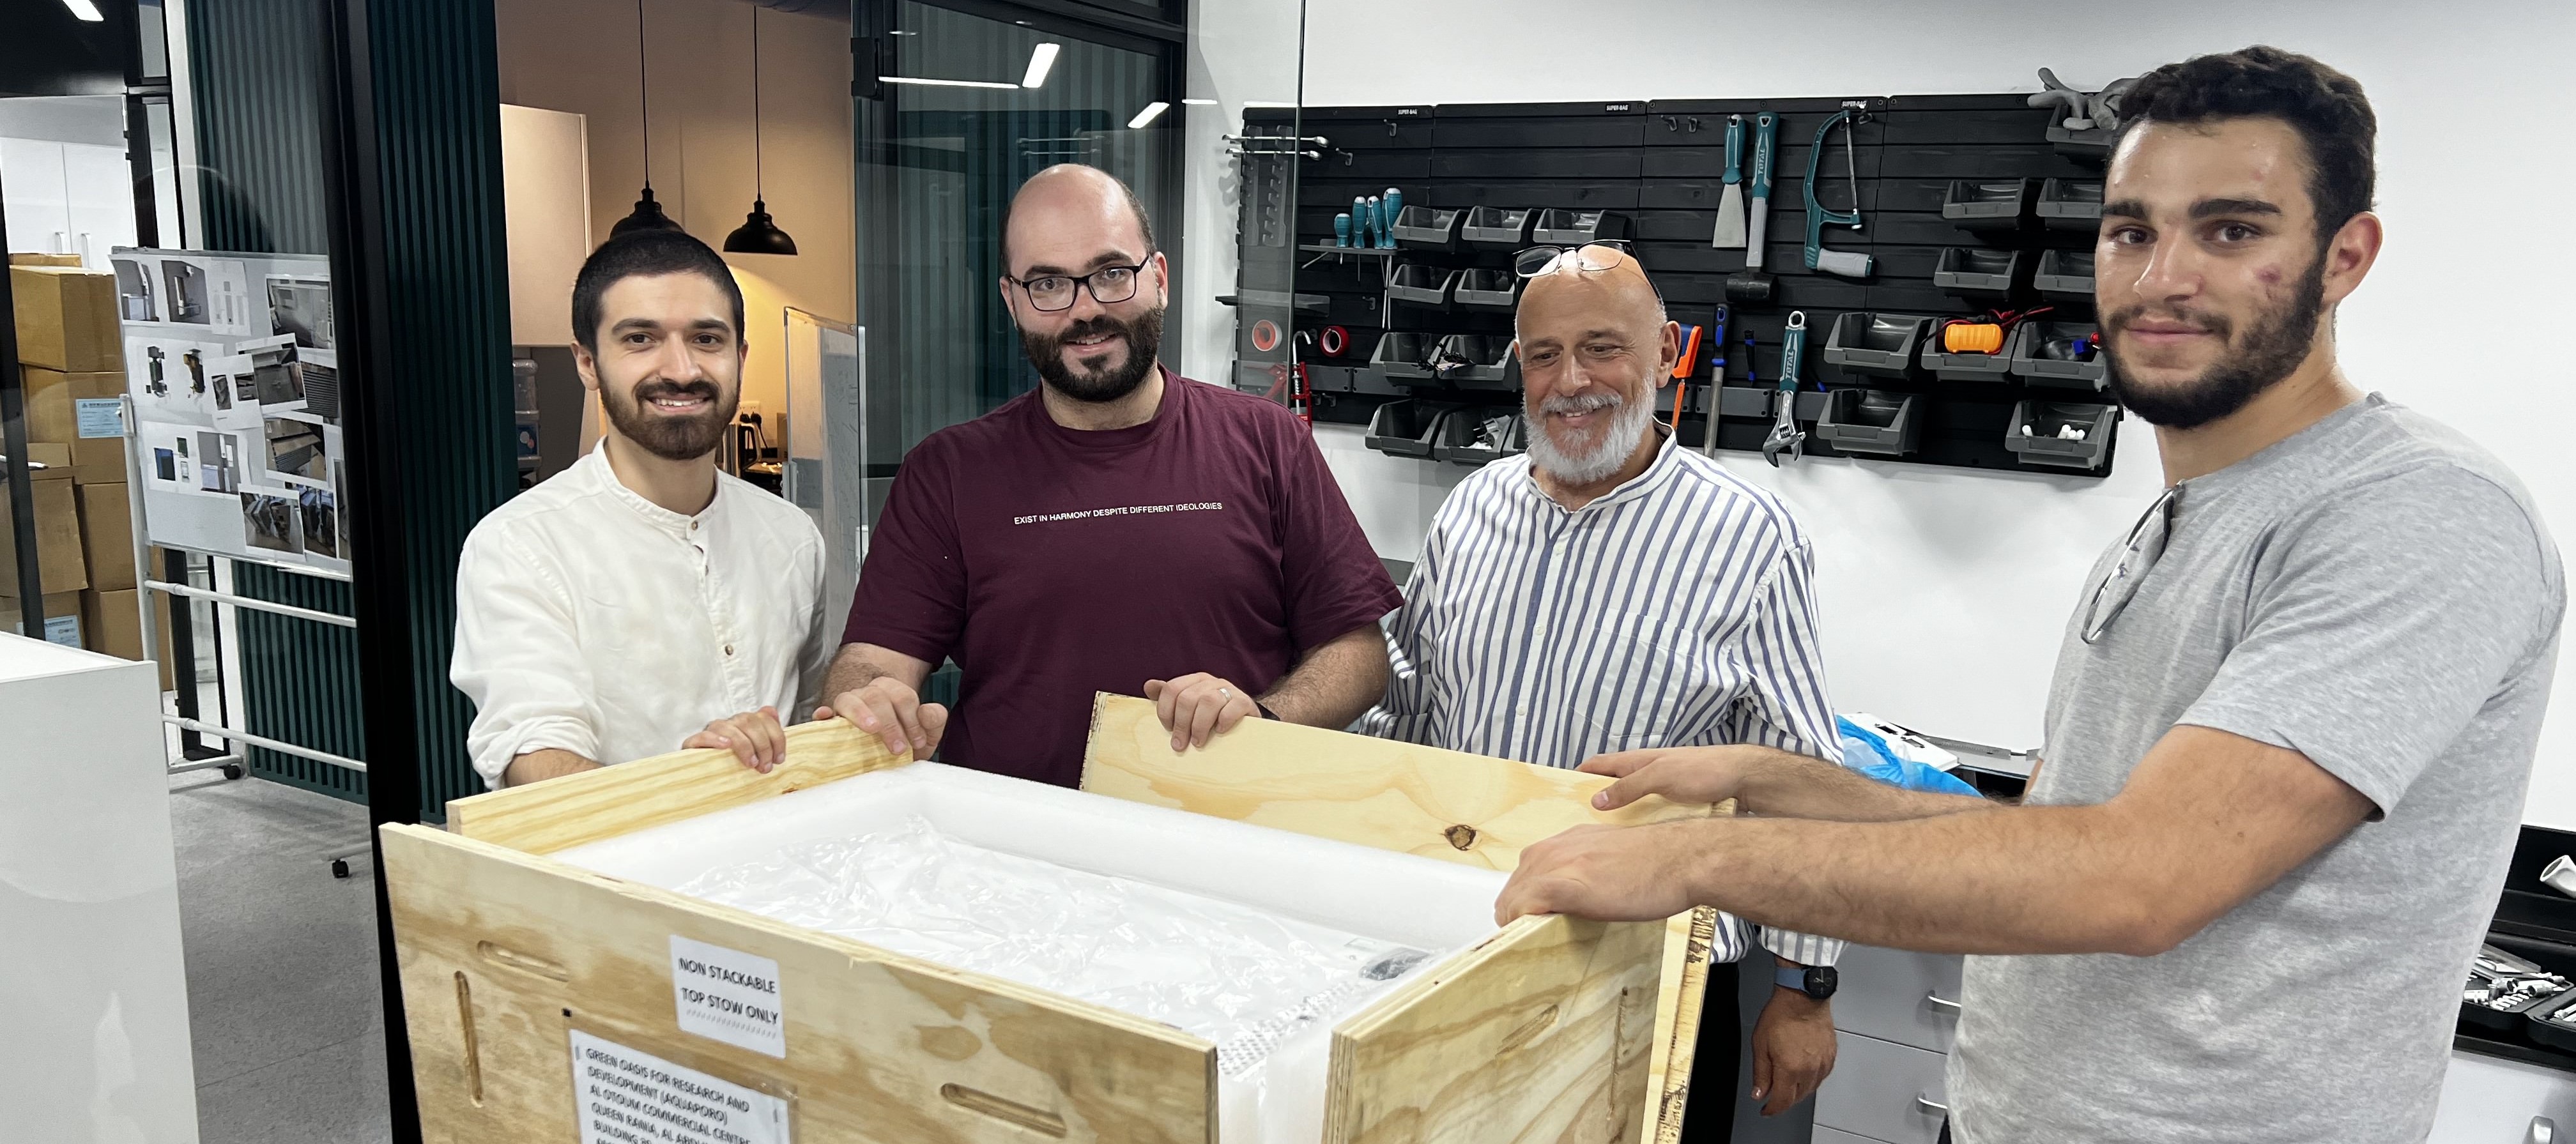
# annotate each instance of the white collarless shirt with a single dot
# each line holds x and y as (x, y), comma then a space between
(592, 620)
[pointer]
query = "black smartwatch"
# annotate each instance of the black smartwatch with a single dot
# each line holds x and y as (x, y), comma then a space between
(1817, 981)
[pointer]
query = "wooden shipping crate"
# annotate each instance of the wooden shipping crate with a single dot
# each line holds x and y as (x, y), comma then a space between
(1545, 1030)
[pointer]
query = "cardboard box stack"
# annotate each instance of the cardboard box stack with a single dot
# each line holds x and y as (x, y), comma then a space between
(28, 258)
(72, 367)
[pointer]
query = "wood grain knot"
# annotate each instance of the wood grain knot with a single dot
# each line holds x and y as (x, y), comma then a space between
(1530, 1028)
(1011, 1111)
(1461, 836)
(523, 962)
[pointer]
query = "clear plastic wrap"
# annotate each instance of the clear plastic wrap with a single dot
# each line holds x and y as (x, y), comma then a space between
(1247, 979)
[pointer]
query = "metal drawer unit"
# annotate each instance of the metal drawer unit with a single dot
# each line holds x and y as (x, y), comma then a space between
(1895, 1019)
(1884, 1091)
(1909, 998)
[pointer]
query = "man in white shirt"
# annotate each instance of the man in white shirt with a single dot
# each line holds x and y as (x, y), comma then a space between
(642, 601)
(1612, 591)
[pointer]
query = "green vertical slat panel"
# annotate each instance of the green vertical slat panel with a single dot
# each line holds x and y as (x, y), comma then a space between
(438, 112)
(256, 71)
(257, 75)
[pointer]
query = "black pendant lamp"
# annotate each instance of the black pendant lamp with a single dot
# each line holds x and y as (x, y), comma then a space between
(757, 235)
(648, 213)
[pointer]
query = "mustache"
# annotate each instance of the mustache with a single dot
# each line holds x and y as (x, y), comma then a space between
(1584, 403)
(2205, 323)
(652, 390)
(1098, 324)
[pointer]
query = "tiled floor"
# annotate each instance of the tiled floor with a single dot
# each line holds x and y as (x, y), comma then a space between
(282, 970)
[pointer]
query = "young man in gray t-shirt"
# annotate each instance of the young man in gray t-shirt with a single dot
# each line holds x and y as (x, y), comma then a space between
(2293, 719)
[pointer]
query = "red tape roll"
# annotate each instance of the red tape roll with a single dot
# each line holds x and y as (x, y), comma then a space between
(1334, 341)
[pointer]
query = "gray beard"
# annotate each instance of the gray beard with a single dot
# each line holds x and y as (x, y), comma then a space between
(1602, 461)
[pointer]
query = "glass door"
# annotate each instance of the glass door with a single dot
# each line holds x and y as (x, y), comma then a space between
(956, 107)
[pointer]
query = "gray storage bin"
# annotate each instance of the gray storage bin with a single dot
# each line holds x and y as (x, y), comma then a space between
(1416, 282)
(1574, 228)
(1870, 421)
(1977, 270)
(1476, 435)
(1882, 344)
(1948, 366)
(1401, 355)
(1986, 204)
(2042, 354)
(1426, 228)
(2065, 274)
(2071, 204)
(1496, 289)
(1405, 428)
(1487, 358)
(2032, 436)
(1497, 227)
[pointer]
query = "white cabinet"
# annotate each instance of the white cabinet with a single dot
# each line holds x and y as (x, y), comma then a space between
(67, 198)
(94, 1045)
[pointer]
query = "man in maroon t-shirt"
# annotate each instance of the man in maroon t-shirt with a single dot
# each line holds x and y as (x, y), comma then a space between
(1121, 529)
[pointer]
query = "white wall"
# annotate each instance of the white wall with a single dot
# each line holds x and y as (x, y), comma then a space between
(1944, 592)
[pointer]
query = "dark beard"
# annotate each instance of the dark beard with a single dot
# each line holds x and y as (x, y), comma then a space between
(1144, 341)
(2271, 350)
(670, 438)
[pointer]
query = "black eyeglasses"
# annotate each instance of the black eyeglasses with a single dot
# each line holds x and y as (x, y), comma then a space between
(1599, 255)
(2120, 585)
(1108, 285)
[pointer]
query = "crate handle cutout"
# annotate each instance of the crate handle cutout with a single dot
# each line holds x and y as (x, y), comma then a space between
(1010, 1111)
(473, 1048)
(524, 963)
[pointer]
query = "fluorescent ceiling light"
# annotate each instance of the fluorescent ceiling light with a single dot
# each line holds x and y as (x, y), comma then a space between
(1200, 102)
(948, 82)
(1041, 58)
(85, 10)
(1148, 115)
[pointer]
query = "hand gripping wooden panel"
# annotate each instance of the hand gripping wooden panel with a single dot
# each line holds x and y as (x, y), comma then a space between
(1476, 811)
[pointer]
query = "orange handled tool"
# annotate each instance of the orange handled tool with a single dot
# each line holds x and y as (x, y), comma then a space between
(1682, 370)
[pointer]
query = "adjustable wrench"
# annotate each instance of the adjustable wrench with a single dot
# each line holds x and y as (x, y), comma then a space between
(1785, 435)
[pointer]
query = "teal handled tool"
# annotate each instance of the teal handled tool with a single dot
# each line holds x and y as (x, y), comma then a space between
(1785, 436)
(1716, 375)
(1729, 234)
(1848, 263)
(1750, 286)
(1362, 219)
(1391, 206)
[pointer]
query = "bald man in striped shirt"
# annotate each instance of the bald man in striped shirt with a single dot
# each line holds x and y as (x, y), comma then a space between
(1611, 591)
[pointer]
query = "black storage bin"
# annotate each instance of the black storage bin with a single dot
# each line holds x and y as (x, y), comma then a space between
(1400, 356)
(2065, 274)
(1405, 428)
(1425, 228)
(1490, 289)
(1882, 344)
(1497, 227)
(1471, 359)
(2043, 353)
(1474, 435)
(1574, 228)
(1870, 421)
(1977, 270)
(2033, 434)
(1420, 284)
(2071, 204)
(1986, 204)
(1949, 366)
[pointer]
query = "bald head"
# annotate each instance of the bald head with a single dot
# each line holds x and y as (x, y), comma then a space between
(1619, 294)
(1084, 205)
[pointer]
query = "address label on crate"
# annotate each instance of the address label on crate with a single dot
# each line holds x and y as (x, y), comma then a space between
(98, 417)
(728, 995)
(631, 1097)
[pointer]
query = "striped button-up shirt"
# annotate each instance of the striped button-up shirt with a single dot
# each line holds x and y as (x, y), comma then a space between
(1674, 611)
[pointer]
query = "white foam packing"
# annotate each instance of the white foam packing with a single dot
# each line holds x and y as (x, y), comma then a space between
(1259, 940)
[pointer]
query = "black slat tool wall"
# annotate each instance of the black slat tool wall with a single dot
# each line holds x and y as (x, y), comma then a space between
(1660, 163)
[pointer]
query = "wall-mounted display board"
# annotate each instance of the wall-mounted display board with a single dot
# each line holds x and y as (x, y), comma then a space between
(1966, 206)
(232, 368)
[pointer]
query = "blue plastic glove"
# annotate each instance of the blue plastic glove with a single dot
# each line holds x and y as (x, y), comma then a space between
(1865, 752)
